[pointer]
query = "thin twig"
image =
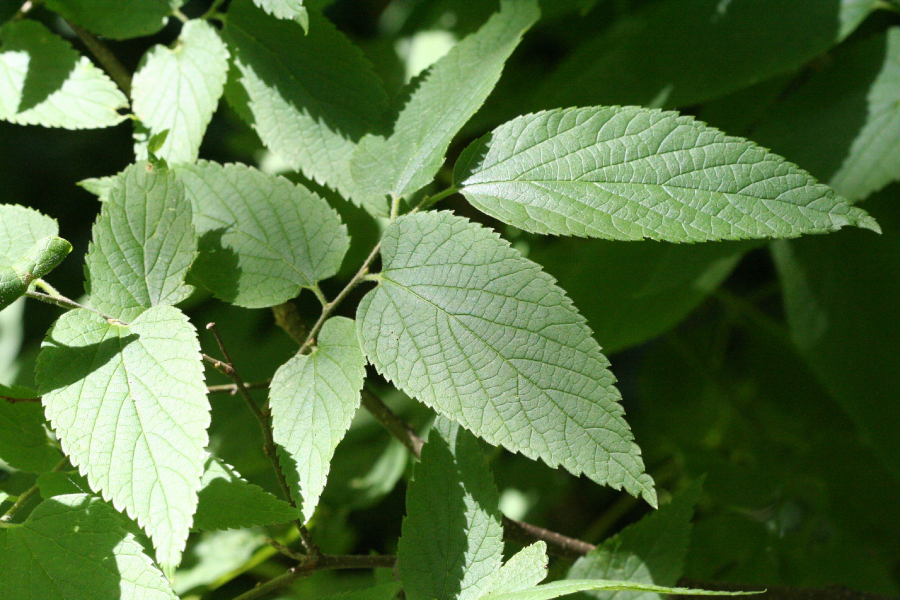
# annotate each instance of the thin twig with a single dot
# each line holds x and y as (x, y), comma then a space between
(269, 443)
(70, 304)
(319, 562)
(399, 428)
(557, 543)
(428, 201)
(12, 400)
(281, 548)
(106, 58)
(218, 365)
(232, 388)
(329, 307)
(29, 494)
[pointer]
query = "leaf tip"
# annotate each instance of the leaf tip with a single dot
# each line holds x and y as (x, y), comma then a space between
(867, 221)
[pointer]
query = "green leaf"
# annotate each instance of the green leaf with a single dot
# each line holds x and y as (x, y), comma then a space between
(99, 186)
(648, 288)
(451, 543)
(627, 173)
(286, 9)
(462, 322)
(262, 238)
(651, 551)
(178, 90)
(117, 19)
(46, 82)
(452, 91)
(382, 591)
(40, 260)
(143, 244)
(24, 444)
(128, 404)
(61, 483)
(841, 308)
(525, 569)
(874, 157)
(555, 589)
(673, 53)
(74, 547)
(842, 122)
(214, 556)
(227, 501)
(20, 230)
(321, 388)
(311, 97)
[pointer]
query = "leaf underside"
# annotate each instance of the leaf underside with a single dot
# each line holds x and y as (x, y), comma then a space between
(75, 547)
(309, 97)
(178, 90)
(464, 323)
(143, 244)
(628, 173)
(313, 399)
(451, 545)
(46, 82)
(452, 91)
(128, 404)
(262, 238)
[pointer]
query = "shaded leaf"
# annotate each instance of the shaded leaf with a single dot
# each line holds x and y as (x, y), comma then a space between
(311, 97)
(462, 322)
(842, 312)
(215, 555)
(46, 82)
(313, 398)
(525, 569)
(555, 589)
(24, 444)
(128, 404)
(627, 173)
(227, 501)
(262, 238)
(117, 19)
(672, 53)
(42, 258)
(178, 90)
(62, 483)
(842, 122)
(651, 551)
(20, 230)
(74, 547)
(452, 541)
(143, 244)
(647, 288)
(286, 9)
(454, 88)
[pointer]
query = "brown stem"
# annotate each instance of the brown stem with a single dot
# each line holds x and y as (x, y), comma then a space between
(269, 441)
(557, 543)
(12, 400)
(232, 388)
(399, 428)
(106, 58)
(318, 562)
